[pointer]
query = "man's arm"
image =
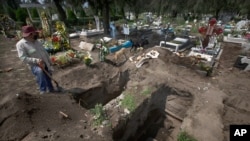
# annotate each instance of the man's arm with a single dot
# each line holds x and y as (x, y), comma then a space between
(24, 56)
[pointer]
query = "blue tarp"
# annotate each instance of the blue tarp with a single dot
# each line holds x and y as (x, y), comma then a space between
(126, 44)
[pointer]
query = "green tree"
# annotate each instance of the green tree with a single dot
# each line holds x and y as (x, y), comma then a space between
(14, 4)
(71, 16)
(34, 13)
(11, 13)
(21, 15)
(104, 7)
(61, 13)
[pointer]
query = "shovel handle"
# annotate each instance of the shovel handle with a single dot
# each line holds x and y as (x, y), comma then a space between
(47, 73)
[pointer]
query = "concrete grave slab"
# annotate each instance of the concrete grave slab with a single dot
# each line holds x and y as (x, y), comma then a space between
(91, 32)
(176, 44)
(86, 46)
(234, 39)
(206, 56)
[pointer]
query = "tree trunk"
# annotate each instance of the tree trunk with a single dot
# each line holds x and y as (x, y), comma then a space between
(174, 14)
(123, 13)
(159, 10)
(217, 13)
(105, 15)
(136, 16)
(62, 15)
(12, 3)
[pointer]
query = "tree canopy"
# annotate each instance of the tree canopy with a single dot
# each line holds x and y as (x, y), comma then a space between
(111, 9)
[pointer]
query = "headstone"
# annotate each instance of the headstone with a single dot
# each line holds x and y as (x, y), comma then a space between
(113, 29)
(126, 30)
(97, 21)
(86, 46)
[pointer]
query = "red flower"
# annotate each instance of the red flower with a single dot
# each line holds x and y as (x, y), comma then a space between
(218, 31)
(55, 39)
(213, 21)
(202, 30)
(53, 59)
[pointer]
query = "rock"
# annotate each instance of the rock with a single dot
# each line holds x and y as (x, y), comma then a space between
(105, 122)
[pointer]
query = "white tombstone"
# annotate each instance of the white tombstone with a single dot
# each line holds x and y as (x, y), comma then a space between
(86, 46)
(126, 29)
(97, 22)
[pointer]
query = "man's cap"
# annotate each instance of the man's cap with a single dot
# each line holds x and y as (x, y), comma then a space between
(27, 30)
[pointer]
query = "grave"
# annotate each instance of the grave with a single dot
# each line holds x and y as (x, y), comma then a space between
(176, 44)
(86, 46)
(239, 64)
(213, 48)
(92, 32)
(233, 39)
(205, 56)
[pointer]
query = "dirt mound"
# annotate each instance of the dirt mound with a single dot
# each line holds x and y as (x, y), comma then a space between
(26, 115)
(169, 57)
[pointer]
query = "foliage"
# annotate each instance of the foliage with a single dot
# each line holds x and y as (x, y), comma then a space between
(82, 14)
(2, 11)
(118, 8)
(21, 15)
(11, 13)
(99, 114)
(87, 61)
(34, 13)
(220, 38)
(184, 136)
(194, 29)
(62, 60)
(129, 102)
(146, 91)
(206, 68)
(68, 57)
(71, 18)
(61, 39)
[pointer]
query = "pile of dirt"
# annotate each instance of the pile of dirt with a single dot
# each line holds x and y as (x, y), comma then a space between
(50, 117)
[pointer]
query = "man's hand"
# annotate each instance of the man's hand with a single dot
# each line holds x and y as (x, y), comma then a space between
(40, 63)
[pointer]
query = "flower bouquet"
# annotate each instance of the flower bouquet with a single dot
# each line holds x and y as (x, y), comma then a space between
(87, 60)
(71, 57)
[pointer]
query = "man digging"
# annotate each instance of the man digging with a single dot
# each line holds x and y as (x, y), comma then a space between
(32, 53)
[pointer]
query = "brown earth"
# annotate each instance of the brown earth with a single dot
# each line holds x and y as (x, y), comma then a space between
(169, 96)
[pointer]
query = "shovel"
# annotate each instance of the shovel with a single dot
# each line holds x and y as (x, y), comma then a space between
(59, 89)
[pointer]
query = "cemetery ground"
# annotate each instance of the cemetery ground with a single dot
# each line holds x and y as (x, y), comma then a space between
(158, 101)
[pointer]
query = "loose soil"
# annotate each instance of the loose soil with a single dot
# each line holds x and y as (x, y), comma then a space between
(169, 96)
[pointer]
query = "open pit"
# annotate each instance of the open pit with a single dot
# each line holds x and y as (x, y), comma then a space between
(158, 113)
(156, 117)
